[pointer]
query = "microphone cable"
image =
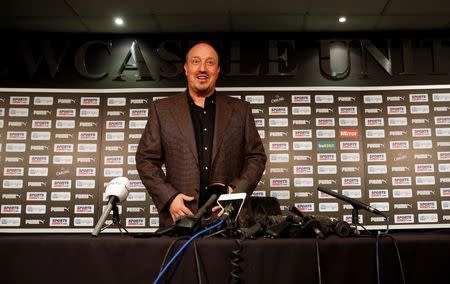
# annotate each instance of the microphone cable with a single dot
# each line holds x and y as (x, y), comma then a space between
(166, 267)
(378, 253)
(169, 250)
(319, 272)
(198, 264)
(236, 258)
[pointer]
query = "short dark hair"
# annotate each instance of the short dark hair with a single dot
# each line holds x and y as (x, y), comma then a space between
(203, 42)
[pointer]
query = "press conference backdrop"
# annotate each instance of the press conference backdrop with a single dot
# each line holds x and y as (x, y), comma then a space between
(386, 146)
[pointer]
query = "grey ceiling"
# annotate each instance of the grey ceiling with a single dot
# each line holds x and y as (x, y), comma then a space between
(145, 16)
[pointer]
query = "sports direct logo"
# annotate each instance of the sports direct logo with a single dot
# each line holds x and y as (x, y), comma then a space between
(399, 181)
(326, 157)
(59, 222)
(84, 209)
(348, 110)
(279, 182)
(113, 160)
(399, 145)
(301, 99)
(378, 193)
(302, 133)
(92, 136)
(325, 121)
(41, 124)
(135, 222)
(16, 100)
(278, 111)
(61, 184)
(378, 121)
(90, 101)
(421, 132)
(86, 172)
(36, 196)
(426, 205)
(404, 218)
(376, 157)
(396, 109)
(11, 209)
(141, 112)
(349, 145)
(416, 98)
(63, 148)
(305, 207)
(303, 170)
(66, 112)
(443, 156)
(117, 124)
(442, 120)
(351, 181)
(278, 146)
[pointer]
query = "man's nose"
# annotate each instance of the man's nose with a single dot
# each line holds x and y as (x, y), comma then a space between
(202, 66)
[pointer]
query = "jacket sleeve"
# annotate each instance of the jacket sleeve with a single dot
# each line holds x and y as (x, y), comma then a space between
(254, 155)
(149, 160)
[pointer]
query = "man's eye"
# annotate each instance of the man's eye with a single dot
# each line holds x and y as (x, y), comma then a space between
(195, 61)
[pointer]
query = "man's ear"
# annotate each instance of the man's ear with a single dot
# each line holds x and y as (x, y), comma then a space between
(185, 68)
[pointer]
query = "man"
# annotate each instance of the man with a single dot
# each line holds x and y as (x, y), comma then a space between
(202, 138)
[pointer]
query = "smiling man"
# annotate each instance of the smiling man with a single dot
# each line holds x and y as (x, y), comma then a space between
(201, 137)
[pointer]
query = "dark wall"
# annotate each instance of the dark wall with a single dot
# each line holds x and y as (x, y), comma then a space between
(291, 59)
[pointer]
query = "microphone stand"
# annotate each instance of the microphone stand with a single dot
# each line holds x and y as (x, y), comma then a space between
(355, 219)
(116, 220)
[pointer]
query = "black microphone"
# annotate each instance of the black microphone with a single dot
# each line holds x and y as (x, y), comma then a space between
(355, 203)
(201, 212)
(241, 187)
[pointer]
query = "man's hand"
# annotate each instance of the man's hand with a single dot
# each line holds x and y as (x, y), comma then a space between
(217, 208)
(177, 208)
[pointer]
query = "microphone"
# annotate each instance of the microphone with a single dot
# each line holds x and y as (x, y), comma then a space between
(201, 212)
(355, 203)
(189, 224)
(116, 191)
(241, 187)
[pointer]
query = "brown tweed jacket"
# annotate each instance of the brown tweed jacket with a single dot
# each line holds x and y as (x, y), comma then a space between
(169, 139)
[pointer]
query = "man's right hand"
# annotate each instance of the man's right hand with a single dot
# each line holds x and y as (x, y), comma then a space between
(177, 208)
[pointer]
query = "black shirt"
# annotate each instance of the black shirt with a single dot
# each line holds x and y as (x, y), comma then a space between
(203, 123)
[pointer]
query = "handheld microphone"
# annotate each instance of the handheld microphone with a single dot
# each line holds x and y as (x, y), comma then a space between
(116, 191)
(355, 203)
(189, 224)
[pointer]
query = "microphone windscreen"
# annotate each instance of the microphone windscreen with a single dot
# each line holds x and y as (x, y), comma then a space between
(118, 187)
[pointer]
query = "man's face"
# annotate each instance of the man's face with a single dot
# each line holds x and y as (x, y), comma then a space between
(202, 69)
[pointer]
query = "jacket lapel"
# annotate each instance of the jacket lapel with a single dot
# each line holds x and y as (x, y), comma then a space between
(182, 116)
(224, 111)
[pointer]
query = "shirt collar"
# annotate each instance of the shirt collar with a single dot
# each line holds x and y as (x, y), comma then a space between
(211, 100)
